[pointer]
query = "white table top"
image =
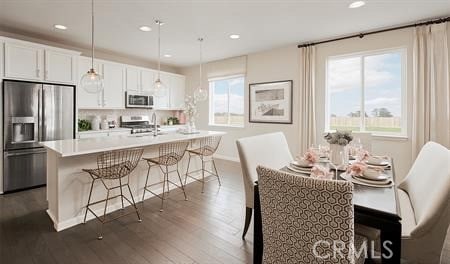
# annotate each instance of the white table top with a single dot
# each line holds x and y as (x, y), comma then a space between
(75, 147)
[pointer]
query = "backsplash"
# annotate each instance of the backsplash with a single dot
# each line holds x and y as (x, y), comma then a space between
(114, 114)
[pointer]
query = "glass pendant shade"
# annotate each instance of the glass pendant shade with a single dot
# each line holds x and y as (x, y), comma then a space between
(200, 94)
(92, 82)
(159, 88)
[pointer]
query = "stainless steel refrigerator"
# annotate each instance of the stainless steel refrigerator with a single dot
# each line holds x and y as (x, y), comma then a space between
(33, 112)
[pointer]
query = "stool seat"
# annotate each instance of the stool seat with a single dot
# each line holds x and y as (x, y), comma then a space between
(112, 171)
(206, 151)
(169, 159)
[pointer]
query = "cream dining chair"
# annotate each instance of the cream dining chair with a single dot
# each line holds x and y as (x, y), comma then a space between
(305, 219)
(270, 150)
(424, 205)
(445, 255)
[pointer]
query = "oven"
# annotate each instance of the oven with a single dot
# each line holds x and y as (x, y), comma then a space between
(138, 100)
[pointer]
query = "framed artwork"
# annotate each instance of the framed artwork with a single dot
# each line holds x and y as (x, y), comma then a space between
(271, 102)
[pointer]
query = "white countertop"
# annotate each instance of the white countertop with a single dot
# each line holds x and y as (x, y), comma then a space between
(75, 147)
(116, 129)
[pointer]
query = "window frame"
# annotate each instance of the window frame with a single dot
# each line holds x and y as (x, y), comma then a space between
(211, 87)
(362, 126)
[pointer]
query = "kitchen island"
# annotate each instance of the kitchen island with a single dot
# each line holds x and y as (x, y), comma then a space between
(68, 186)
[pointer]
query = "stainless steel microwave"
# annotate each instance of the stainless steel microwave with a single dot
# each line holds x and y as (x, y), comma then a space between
(138, 100)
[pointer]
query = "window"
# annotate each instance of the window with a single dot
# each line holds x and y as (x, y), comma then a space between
(226, 101)
(370, 83)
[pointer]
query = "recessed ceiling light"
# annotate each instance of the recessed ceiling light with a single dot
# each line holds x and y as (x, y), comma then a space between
(167, 55)
(234, 36)
(62, 27)
(145, 28)
(356, 4)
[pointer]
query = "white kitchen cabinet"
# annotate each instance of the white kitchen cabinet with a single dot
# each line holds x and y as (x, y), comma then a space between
(147, 80)
(114, 82)
(162, 100)
(133, 79)
(60, 67)
(84, 99)
(23, 61)
(177, 92)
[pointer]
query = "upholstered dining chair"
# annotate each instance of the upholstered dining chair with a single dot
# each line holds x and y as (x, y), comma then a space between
(303, 219)
(445, 255)
(424, 205)
(270, 150)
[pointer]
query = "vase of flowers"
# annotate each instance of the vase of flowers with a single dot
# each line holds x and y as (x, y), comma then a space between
(190, 112)
(339, 141)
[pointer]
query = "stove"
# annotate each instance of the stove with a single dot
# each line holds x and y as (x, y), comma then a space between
(138, 124)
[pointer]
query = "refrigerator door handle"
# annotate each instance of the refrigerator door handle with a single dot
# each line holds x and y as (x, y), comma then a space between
(40, 114)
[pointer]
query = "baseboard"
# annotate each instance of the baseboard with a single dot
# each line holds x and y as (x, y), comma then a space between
(59, 226)
(228, 158)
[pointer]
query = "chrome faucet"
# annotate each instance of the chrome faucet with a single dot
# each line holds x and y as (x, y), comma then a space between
(155, 126)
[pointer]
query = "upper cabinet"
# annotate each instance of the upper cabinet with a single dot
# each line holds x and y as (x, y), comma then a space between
(60, 67)
(133, 79)
(147, 80)
(139, 80)
(23, 61)
(113, 94)
(177, 91)
(114, 83)
(35, 62)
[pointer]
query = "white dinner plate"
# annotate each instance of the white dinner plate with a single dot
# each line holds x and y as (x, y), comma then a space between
(299, 170)
(295, 163)
(369, 183)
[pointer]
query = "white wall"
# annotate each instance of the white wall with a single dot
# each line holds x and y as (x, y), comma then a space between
(283, 64)
(279, 64)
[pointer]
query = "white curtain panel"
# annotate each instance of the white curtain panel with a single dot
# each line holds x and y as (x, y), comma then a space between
(431, 87)
(307, 116)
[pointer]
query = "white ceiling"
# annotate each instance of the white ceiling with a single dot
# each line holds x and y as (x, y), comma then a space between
(262, 24)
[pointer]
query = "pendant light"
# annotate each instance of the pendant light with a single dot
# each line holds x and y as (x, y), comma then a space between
(92, 82)
(159, 87)
(200, 94)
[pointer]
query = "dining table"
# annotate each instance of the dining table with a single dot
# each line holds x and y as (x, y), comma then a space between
(374, 207)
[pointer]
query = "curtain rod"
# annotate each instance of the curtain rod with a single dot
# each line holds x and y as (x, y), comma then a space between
(361, 35)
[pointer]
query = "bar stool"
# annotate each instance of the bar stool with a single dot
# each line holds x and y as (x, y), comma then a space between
(170, 154)
(113, 166)
(207, 148)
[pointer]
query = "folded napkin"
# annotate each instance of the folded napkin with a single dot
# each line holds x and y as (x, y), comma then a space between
(321, 172)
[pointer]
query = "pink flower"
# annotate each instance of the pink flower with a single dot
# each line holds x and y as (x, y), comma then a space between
(310, 156)
(363, 155)
(321, 172)
(357, 168)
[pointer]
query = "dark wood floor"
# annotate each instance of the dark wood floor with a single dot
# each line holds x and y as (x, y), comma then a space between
(205, 229)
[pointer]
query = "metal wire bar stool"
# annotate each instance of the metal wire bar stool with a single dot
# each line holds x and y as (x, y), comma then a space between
(113, 166)
(169, 155)
(208, 147)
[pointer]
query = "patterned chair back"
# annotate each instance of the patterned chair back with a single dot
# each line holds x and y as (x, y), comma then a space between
(303, 218)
